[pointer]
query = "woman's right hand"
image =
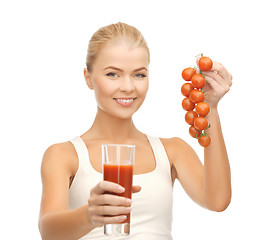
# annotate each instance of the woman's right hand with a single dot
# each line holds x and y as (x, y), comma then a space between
(105, 208)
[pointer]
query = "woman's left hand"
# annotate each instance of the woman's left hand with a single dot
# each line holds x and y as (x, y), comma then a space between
(218, 83)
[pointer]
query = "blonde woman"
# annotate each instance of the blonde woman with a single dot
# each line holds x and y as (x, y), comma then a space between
(74, 203)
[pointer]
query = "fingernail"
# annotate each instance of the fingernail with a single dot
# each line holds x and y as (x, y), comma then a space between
(121, 189)
(128, 201)
(128, 209)
(123, 217)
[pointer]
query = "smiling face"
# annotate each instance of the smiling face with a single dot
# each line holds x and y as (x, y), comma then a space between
(119, 78)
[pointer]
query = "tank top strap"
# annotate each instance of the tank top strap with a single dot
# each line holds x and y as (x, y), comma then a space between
(82, 152)
(160, 154)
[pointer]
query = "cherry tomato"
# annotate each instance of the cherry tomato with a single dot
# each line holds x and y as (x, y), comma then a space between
(194, 132)
(196, 96)
(188, 73)
(202, 109)
(186, 89)
(204, 140)
(205, 63)
(190, 116)
(198, 81)
(200, 123)
(187, 104)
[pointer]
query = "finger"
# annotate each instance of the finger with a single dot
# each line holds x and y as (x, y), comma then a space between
(136, 189)
(222, 71)
(213, 84)
(108, 220)
(214, 75)
(111, 210)
(216, 86)
(106, 186)
(108, 199)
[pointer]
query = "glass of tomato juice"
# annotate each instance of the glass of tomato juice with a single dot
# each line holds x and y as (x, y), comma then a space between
(118, 161)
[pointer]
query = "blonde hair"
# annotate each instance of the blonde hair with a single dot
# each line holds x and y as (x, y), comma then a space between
(113, 33)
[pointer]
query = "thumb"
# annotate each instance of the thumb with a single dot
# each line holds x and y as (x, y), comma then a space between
(197, 61)
(136, 189)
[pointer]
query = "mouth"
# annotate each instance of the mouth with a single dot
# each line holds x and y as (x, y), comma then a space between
(126, 102)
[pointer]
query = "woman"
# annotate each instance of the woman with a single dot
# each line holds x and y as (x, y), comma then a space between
(74, 204)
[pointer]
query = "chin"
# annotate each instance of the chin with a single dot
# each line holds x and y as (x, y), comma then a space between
(124, 116)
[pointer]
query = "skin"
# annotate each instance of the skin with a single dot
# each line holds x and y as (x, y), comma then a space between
(209, 185)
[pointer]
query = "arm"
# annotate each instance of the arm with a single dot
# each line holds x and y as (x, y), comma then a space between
(56, 221)
(65, 224)
(217, 177)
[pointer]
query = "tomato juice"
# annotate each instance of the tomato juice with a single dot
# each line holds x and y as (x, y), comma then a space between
(122, 175)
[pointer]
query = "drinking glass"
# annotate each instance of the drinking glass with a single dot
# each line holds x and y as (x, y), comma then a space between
(118, 161)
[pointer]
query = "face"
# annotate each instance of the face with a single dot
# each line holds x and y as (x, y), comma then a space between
(119, 78)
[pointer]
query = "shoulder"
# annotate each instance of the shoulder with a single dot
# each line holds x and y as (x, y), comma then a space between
(59, 150)
(173, 144)
(58, 156)
(176, 147)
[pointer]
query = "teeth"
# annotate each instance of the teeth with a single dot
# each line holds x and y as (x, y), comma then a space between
(125, 100)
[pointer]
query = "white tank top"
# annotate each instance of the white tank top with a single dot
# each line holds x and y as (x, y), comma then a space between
(151, 216)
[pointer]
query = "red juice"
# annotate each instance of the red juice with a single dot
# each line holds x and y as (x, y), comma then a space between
(122, 175)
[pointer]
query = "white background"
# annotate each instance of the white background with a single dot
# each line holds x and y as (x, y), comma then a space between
(44, 100)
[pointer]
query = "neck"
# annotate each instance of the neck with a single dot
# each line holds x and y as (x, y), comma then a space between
(114, 129)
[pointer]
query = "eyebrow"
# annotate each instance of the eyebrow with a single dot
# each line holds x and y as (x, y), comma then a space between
(118, 69)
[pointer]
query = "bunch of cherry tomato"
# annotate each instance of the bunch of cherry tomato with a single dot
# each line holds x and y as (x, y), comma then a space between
(193, 103)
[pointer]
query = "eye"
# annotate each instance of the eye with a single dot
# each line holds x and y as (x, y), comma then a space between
(140, 75)
(111, 74)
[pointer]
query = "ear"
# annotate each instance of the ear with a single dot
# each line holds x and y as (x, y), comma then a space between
(87, 77)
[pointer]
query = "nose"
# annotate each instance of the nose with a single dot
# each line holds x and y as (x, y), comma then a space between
(127, 84)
